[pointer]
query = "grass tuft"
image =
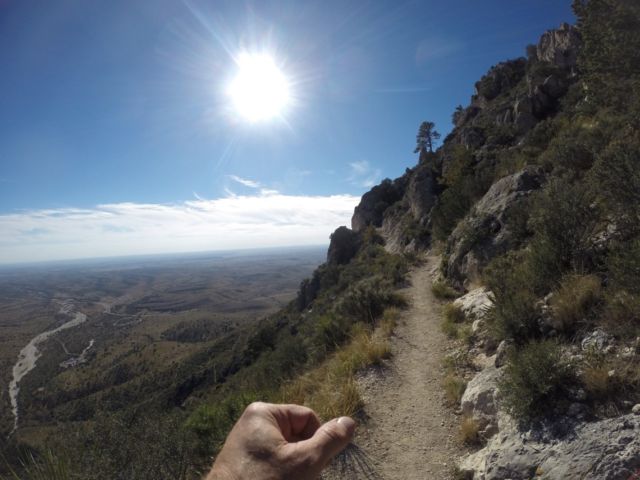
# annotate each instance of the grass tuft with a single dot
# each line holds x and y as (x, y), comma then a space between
(330, 389)
(469, 431)
(454, 387)
(573, 300)
(443, 291)
(453, 318)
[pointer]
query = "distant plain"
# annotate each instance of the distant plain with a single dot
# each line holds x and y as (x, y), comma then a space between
(144, 314)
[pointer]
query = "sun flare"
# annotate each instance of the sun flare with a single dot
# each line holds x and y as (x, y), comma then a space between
(259, 91)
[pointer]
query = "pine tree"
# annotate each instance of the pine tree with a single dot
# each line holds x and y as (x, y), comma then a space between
(427, 135)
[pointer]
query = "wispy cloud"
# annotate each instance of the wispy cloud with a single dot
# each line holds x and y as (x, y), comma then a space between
(265, 219)
(363, 174)
(434, 49)
(244, 181)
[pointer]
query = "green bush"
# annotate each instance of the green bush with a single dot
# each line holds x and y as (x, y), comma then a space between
(624, 267)
(452, 323)
(443, 291)
(48, 466)
(535, 380)
(514, 314)
(212, 422)
(367, 299)
(565, 220)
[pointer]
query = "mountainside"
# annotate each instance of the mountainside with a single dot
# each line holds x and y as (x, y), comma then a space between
(533, 199)
(533, 202)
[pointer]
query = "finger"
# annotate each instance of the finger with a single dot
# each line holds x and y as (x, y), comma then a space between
(329, 440)
(295, 421)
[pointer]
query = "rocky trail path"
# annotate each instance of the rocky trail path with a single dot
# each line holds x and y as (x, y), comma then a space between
(410, 433)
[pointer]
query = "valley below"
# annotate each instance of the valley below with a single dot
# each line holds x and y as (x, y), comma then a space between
(77, 338)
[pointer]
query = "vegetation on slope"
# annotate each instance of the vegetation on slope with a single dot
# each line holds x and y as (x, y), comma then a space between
(303, 354)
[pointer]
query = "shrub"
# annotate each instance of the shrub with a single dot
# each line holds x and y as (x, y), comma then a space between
(469, 431)
(367, 299)
(389, 321)
(596, 381)
(624, 267)
(364, 349)
(611, 380)
(452, 316)
(453, 313)
(621, 314)
(565, 221)
(46, 467)
(330, 331)
(573, 300)
(535, 379)
(443, 291)
(212, 422)
(454, 387)
(514, 313)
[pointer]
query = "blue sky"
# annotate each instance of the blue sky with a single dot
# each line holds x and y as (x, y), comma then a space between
(117, 109)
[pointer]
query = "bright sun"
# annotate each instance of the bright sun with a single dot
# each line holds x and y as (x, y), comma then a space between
(259, 91)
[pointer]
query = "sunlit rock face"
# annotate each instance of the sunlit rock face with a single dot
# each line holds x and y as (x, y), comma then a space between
(560, 47)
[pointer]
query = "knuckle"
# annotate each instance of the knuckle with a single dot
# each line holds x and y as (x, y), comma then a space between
(254, 407)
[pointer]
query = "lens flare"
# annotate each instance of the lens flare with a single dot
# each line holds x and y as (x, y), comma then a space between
(260, 90)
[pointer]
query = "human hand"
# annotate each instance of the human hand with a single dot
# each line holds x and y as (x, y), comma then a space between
(280, 442)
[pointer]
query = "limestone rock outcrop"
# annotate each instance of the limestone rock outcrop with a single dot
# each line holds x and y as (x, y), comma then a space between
(484, 233)
(570, 450)
(480, 401)
(560, 47)
(373, 204)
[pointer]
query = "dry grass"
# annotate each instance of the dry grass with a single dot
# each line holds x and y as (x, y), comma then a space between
(609, 379)
(469, 431)
(597, 381)
(454, 387)
(452, 319)
(330, 389)
(443, 291)
(388, 322)
(574, 298)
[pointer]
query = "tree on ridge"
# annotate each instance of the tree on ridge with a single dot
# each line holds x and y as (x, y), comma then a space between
(427, 135)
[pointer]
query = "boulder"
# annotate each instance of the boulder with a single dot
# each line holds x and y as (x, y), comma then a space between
(597, 340)
(480, 401)
(560, 47)
(606, 449)
(483, 234)
(475, 304)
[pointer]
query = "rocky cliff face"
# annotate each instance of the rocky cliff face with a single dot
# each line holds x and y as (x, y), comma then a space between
(486, 231)
(473, 196)
(510, 100)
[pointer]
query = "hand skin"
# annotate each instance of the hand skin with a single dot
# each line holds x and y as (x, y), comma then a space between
(280, 442)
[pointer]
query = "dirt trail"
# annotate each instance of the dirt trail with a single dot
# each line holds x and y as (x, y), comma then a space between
(410, 434)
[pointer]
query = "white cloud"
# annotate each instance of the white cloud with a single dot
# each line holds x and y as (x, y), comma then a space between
(245, 182)
(267, 219)
(363, 174)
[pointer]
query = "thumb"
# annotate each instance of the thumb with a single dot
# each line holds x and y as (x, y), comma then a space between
(329, 440)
